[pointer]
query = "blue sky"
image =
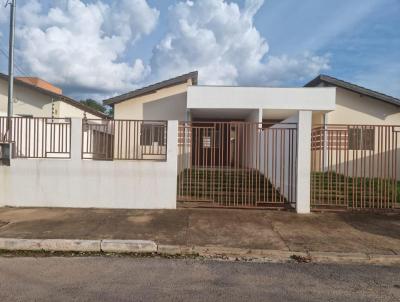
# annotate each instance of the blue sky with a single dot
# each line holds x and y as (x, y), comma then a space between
(102, 48)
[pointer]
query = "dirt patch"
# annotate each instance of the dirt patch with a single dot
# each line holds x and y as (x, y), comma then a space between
(17, 214)
(143, 219)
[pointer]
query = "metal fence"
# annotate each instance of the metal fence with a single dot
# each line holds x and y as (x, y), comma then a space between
(124, 139)
(355, 166)
(237, 164)
(36, 137)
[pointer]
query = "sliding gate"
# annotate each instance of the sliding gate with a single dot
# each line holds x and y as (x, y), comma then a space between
(237, 164)
(355, 166)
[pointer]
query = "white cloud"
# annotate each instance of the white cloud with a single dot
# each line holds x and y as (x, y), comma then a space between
(81, 45)
(219, 39)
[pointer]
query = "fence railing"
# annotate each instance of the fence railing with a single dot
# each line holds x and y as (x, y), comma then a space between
(37, 137)
(124, 139)
(355, 166)
(237, 164)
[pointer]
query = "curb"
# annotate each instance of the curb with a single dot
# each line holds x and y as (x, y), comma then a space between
(212, 252)
(56, 245)
(128, 246)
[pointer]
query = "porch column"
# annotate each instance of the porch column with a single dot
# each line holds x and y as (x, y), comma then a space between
(303, 162)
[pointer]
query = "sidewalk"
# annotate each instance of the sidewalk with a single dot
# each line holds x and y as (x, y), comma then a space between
(242, 229)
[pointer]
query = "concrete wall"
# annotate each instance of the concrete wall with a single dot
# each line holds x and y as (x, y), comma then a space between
(277, 156)
(89, 183)
(165, 104)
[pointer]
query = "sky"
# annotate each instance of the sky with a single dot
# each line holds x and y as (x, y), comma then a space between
(102, 48)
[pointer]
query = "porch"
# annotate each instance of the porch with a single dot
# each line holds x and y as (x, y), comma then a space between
(241, 146)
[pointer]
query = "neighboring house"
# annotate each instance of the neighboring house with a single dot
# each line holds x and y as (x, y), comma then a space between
(34, 97)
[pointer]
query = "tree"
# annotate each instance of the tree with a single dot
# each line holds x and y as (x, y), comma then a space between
(95, 105)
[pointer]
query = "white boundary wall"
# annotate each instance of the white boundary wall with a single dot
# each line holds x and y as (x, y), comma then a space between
(88, 183)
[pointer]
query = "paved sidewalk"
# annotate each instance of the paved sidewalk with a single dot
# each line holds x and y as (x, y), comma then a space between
(246, 229)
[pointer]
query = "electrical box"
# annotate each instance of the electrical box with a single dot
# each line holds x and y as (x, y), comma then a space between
(5, 153)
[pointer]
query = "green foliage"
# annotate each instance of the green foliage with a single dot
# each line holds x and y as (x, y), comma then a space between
(95, 105)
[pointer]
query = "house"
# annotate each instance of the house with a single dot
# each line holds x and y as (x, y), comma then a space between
(34, 97)
(169, 100)
(176, 142)
(258, 146)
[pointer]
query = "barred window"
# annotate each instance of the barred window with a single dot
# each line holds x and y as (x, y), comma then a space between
(361, 138)
(151, 134)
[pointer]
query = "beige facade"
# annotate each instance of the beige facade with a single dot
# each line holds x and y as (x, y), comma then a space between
(354, 108)
(167, 103)
(30, 101)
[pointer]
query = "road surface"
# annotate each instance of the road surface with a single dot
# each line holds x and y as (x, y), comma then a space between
(157, 279)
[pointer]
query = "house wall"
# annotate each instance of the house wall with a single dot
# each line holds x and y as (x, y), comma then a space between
(278, 149)
(28, 101)
(165, 104)
(208, 97)
(88, 183)
(67, 110)
(351, 108)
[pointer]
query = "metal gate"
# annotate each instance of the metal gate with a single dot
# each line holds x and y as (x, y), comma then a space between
(355, 166)
(237, 164)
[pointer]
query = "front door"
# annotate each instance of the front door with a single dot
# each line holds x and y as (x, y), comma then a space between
(213, 144)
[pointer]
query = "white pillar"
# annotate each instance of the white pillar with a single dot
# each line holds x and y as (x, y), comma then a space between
(76, 138)
(303, 162)
(172, 160)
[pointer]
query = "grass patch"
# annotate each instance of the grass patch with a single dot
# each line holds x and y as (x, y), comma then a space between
(369, 189)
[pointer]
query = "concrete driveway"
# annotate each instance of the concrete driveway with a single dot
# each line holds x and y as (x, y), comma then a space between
(252, 229)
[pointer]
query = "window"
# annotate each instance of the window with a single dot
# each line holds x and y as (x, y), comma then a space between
(152, 134)
(361, 138)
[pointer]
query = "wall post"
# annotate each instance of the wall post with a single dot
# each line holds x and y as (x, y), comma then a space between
(303, 162)
(172, 153)
(76, 138)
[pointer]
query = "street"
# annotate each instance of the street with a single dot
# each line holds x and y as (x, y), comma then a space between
(158, 279)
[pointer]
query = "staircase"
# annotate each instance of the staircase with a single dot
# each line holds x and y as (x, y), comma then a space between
(228, 187)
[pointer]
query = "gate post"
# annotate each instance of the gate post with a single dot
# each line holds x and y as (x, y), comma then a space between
(303, 162)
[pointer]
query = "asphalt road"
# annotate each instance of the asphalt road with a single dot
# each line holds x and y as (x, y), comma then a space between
(154, 279)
